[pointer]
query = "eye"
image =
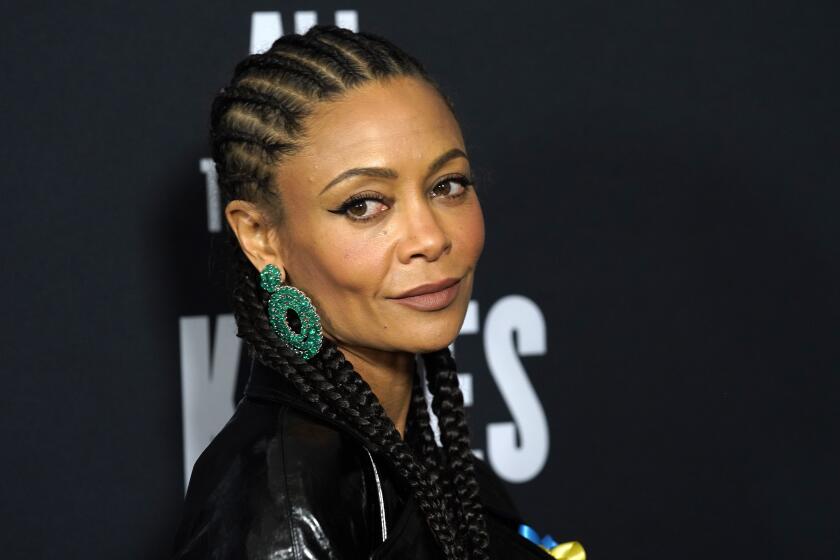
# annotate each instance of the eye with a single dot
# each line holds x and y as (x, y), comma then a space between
(452, 187)
(365, 208)
(362, 207)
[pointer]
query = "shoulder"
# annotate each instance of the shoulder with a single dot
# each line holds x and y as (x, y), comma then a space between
(502, 517)
(494, 494)
(275, 482)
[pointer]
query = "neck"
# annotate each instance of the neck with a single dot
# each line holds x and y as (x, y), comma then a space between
(390, 376)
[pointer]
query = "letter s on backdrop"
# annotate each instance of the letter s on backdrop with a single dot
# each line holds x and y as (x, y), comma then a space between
(516, 463)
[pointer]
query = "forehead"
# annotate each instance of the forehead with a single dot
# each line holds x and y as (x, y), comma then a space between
(399, 123)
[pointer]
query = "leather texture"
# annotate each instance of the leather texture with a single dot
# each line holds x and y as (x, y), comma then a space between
(283, 482)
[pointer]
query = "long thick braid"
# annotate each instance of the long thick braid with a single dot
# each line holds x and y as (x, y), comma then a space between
(457, 470)
(418, 431)
(255, 122)
(448, 406)
(420, 437)
(422, 440)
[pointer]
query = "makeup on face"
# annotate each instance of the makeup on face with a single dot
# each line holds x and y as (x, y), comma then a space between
(430, 297)
(383, 225)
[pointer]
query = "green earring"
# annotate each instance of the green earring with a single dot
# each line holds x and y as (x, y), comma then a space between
(285, 298)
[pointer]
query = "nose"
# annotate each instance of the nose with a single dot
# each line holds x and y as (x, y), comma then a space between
(424, 237)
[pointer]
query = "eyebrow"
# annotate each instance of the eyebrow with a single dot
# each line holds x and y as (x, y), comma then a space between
(388, 173)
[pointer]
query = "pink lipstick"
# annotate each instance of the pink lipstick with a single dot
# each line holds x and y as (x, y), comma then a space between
(430, 297)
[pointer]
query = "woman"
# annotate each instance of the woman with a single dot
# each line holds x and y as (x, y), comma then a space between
(345, 176)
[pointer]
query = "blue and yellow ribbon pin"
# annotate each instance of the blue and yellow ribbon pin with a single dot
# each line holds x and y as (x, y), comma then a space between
(571, 550)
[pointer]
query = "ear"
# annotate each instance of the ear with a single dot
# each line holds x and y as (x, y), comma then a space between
(252, 228)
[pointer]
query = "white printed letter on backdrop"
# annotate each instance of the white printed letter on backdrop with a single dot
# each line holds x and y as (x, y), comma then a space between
(207, 386)
(516, 459)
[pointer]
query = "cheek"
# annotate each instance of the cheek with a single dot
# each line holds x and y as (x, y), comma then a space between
(345, 274)
(350, 263)
(470, 231)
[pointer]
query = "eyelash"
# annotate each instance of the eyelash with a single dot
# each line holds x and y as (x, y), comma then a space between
(465, 182)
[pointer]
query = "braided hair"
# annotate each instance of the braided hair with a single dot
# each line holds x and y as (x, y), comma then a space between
(257, 120)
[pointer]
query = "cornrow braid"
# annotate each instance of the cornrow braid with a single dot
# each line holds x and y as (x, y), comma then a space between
(275, 65)
(256, 121)
(325, 56)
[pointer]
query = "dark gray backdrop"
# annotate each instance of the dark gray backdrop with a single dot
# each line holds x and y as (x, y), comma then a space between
(660, 178)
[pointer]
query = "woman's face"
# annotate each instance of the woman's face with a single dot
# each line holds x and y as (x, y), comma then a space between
(378, 203)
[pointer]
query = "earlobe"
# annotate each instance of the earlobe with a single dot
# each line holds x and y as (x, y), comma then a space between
(253, 232)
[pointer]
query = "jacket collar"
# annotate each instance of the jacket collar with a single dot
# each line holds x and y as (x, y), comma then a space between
(268, 385)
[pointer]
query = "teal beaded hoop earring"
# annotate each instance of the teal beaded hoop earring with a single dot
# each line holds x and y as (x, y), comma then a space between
(285, 298)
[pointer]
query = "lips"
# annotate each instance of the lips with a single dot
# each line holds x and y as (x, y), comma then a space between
(432, 296)
(429, 288)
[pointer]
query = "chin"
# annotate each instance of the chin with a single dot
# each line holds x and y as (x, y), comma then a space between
(427, 349)
(429, 336)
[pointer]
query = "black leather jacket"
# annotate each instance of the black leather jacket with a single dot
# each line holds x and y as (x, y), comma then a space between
(281, 481)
